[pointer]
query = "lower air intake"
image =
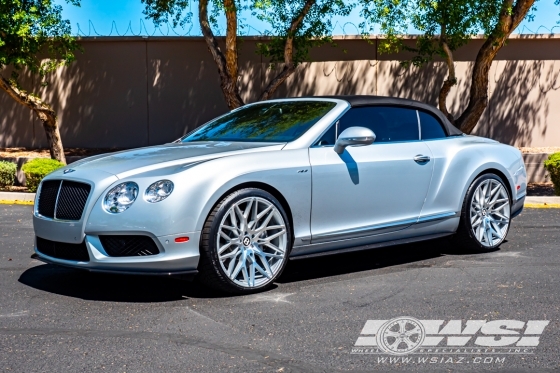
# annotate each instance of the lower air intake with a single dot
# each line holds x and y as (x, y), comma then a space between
(63, 250)
(129, 245)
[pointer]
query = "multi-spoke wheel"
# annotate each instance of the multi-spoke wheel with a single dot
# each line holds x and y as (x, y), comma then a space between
(485, 217)
(245, 242)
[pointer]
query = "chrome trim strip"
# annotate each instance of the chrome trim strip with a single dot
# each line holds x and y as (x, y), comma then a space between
(56, 202)
(361, 231)
(445, 215)
(36, 204)
(372, 229)
(419, 126)
(371, 246)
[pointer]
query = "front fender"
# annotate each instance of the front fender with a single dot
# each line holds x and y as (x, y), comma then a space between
(288, 172)
(200, 186)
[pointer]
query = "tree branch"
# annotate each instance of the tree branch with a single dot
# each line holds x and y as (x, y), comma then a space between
(228, 84)
(231, 39)
(289, 66)
(451, 78)
(43, 111)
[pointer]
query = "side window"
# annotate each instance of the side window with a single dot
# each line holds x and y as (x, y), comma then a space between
(329, 138)
(430, 127)
(389, 123)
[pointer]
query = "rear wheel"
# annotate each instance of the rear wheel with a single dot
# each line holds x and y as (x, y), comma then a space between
(485, 215)
(245, 242)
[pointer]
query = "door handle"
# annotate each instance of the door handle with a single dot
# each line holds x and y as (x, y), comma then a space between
(421, 158)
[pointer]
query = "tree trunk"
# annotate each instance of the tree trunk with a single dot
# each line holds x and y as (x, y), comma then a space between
(44, 112)
(289, 66)
(231, 39)
(227, 67)
(451, 78)
(510, 17)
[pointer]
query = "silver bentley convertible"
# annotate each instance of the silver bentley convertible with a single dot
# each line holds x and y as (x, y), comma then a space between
(236, 198)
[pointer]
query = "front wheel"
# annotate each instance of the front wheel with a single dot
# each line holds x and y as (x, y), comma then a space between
(485, 215)
(245, 242)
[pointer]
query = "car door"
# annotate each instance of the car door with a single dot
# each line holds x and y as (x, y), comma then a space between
(374, 189)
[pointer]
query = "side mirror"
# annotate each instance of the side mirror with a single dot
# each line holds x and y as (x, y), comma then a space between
(354, 136)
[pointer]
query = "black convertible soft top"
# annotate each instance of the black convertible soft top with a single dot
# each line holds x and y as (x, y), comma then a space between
(359, 100)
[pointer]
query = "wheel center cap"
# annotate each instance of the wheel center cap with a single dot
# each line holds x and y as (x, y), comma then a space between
(484, 212)
(246, 241)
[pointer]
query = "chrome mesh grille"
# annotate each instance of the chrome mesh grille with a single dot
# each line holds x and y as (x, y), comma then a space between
(72, 200)
(63, 199)
(47, 198)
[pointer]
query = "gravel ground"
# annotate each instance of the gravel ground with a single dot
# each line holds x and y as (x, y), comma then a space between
(540, 190)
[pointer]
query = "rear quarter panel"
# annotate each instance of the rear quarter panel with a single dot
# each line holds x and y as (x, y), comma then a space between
(459, 160)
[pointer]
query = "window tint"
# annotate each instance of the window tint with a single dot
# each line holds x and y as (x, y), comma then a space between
(270, 122)
(388, 123)
(431, 127)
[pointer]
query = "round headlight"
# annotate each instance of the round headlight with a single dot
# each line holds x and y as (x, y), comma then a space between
(120, 197)
(158, 191)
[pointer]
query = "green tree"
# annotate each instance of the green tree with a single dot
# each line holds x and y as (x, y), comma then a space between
(295, 26)
(446, 25)
(33, 36)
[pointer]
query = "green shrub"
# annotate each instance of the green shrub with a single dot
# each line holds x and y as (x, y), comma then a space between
(36, 169)
(7, 173)
(552, 165)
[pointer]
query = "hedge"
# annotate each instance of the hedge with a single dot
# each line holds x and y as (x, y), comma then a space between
(36, 169)
(7, 173)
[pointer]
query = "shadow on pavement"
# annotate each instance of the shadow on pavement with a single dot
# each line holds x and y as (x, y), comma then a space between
(136, 288)
(403, 256)
(112, 287)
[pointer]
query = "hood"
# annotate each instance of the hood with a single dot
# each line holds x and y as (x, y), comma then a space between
(120, 162)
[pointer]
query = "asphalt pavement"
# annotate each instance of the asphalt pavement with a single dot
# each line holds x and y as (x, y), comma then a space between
(54, 319)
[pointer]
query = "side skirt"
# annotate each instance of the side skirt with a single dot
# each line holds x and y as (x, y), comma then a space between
(373, 246)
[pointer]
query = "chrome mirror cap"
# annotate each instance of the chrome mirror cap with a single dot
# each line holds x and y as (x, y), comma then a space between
(354, 136)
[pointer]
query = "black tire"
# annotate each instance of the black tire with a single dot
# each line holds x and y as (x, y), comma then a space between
(464, 238)
(211, 272)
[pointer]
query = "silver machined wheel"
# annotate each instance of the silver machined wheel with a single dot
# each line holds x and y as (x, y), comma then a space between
(252, 242)
(490, 213)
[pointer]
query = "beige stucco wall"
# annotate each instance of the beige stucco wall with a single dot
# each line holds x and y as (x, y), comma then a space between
(128, 92)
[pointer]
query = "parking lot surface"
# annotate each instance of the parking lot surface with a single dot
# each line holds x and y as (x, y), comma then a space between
(54, 319)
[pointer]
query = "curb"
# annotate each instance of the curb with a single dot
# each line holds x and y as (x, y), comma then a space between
(17, 198)
(547, 200)
(542, 202)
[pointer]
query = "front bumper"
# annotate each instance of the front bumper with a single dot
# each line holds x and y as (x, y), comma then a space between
(517, 206)
(173, 259)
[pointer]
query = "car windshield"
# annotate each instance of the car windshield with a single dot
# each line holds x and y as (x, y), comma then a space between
(266, 122)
